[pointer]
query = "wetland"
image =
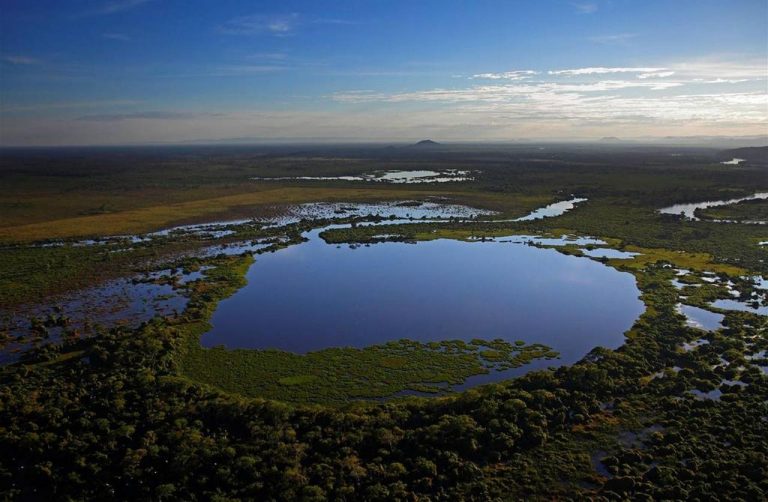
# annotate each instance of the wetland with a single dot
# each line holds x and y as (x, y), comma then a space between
(542, 328)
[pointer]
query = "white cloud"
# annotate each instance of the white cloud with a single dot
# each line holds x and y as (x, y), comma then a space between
(273, 56)
(147, 115)
(116, 36)
(549, 115)
(500, 93)
(611, 85)
(617, 38)
(585, 7)
(594, 101)
(726, 81)
(723, 68)
(280, 25)
(233, 70)
(120, 5)
(63, 105)
(599, 70)
(507, 75)
(657, 74)
(113, 7)
(20, 60)
(238, 70)
(684, 98)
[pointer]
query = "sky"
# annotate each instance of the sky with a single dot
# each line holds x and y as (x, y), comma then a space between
(109, 72)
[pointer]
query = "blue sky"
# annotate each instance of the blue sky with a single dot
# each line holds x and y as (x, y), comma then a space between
(134, 71)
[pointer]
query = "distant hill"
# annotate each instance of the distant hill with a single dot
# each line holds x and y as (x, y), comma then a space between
(610, 138)
(427, 142)
(753, 154)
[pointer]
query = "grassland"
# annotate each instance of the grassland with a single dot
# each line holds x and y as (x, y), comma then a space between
(93, 193)
(146, 219)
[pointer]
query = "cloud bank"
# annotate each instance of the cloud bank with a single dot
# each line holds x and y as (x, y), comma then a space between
(697, 97)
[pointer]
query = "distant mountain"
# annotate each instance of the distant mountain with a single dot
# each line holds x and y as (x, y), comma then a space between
(610, 138)
(427, 142)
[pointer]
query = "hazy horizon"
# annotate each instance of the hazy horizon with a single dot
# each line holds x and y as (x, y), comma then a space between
(711, 142)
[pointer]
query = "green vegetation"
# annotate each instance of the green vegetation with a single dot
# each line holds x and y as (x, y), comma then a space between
(147, 413)
(156, 217)
(129, 417)
(722, 247)
(336, 376)
(748, 210)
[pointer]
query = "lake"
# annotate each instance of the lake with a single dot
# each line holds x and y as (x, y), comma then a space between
(314, 295)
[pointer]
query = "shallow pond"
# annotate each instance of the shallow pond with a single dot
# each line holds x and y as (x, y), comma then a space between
(409, 209)
(609, 253)
(550, 241)
(314, 295)
(739, 305)
(700, 318)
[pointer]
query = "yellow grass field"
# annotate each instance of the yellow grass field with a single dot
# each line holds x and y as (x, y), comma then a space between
(154, 217)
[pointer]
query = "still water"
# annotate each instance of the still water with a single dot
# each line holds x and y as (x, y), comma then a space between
(688, 210)
(554, 209)
(315, 295)
(699, 318)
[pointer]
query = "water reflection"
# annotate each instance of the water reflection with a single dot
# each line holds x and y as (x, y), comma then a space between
(121, 302)
(699, 318)
(554, 209)
(742, 306)
(688, 210)
(609, 253)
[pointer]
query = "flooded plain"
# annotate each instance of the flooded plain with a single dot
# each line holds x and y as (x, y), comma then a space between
(122, 302)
